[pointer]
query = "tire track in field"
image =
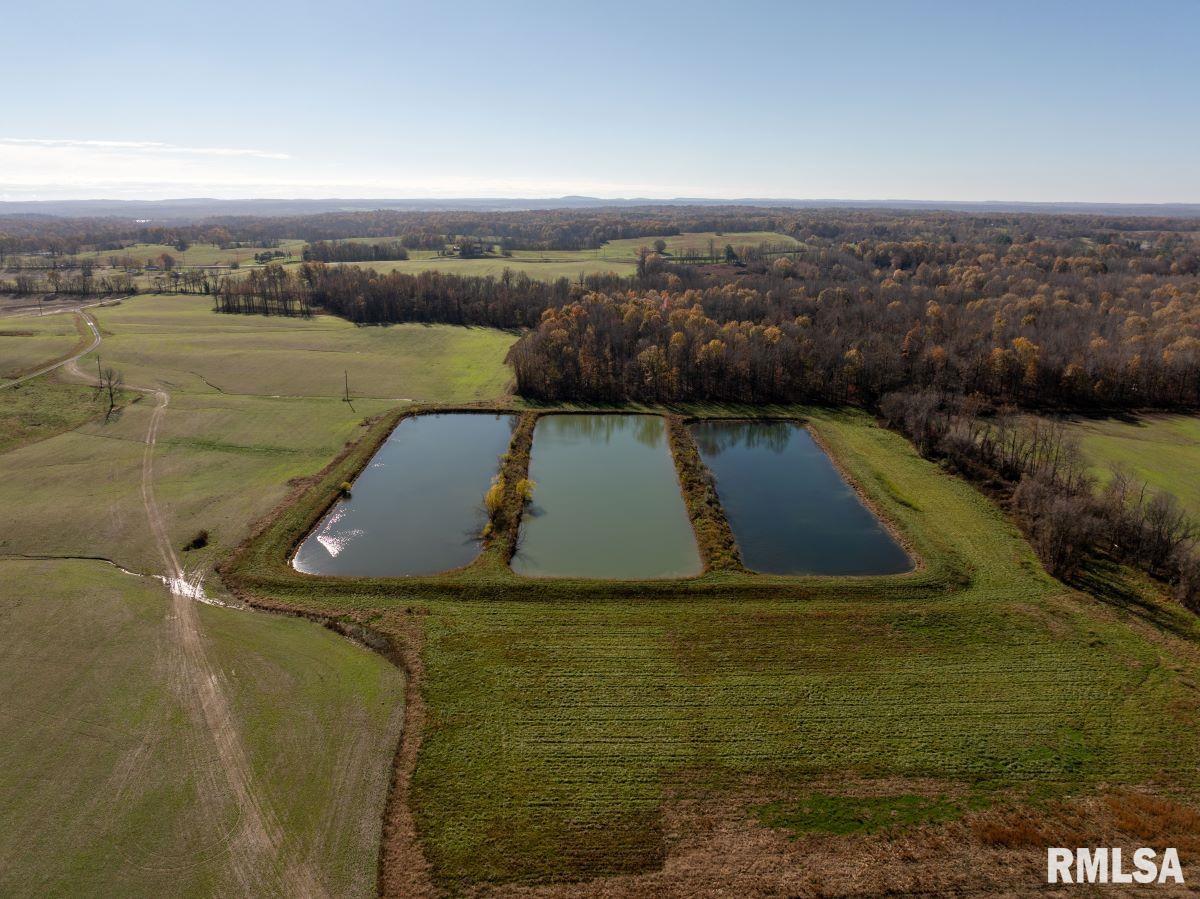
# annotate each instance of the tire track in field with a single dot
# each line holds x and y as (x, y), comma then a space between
(256, 847)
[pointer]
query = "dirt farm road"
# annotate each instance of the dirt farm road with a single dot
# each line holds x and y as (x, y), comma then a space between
(223, 772)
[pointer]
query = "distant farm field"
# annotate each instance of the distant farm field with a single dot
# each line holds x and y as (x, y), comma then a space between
(200, 254)
(1161, 450)
(617, 257)
(700, 242)
(179, 341)
(545, 265)
(105, 773)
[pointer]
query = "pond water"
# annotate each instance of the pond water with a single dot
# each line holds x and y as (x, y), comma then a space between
(607, 502)
(417, 508)
(790, 509)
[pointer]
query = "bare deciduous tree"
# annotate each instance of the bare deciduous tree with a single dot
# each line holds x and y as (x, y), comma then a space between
(111, 382)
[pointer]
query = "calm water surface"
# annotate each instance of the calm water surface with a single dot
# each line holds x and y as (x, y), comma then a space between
(607, 502)
(789, 507)
(417, 508)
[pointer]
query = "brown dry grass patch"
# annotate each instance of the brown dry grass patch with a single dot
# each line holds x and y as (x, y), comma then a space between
(718, 848)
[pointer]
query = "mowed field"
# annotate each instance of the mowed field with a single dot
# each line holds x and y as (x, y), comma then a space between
(1161, 450)
(976, 708)
(111, 783)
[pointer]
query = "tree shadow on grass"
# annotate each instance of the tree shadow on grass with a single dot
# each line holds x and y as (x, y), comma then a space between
(1113, 585)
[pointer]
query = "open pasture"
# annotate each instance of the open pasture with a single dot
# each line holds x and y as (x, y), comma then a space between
(254, 404)
(109, 785)
(220, 462)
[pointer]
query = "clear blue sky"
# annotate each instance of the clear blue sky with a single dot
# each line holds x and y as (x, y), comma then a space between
(918, 100)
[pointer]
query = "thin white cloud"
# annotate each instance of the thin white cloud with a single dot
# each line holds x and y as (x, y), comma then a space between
(143, 146)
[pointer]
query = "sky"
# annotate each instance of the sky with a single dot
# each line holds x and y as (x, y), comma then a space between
(1023, 101)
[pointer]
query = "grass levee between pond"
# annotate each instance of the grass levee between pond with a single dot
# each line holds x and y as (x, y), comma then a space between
(714, 536)
(512, 479)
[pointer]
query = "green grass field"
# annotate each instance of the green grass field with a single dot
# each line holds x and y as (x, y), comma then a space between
(28, 343)
(43, 407)
(1162, 450)
(100, 783)
(618, 257)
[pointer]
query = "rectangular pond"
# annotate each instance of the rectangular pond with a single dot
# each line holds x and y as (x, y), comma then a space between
(788, 505)
(417, 508)
(607, 502)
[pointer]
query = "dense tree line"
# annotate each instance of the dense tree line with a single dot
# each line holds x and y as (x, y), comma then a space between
(82, 281)
(575, 228)
(513, 300)
(354, 251)
(1067, 518)
(1037, 323)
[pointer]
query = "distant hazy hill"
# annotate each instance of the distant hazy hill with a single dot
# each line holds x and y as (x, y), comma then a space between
(190, 209)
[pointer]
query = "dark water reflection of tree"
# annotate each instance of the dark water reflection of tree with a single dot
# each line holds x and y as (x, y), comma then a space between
(647, 430)
(714, 437)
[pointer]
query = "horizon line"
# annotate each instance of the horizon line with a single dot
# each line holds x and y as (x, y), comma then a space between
(745, 200)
